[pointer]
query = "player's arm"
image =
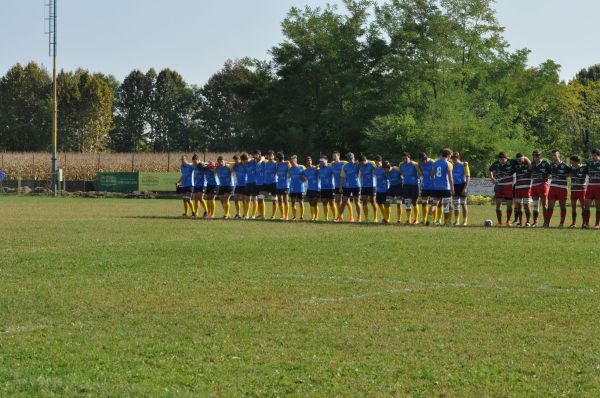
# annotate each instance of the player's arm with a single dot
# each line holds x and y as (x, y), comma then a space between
(491, 175)
(450, 178)
(467, 177)
(419, 171)
(342, 176)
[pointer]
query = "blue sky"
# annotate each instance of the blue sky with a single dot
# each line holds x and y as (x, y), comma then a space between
(195, 37)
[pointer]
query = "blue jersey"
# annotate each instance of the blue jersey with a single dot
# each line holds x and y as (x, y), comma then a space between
(251, 171)
(211, 178)
(225, 174)
(260, 173)
(326, 177)
(187, 174)
(383, 184)
(311, 175)
(367, 175)
(460, 172)
(350, 172)
(270, 172)
(441, 169)
(410, 173)
(337, 172)
(426, 168)
(282, 169)
(394, 177)
(199, 178)
(241, 174)
(296, 179)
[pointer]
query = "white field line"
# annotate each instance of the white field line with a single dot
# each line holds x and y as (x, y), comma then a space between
(413, 286)
(22, 329)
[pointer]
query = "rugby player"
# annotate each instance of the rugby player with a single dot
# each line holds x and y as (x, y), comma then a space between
(411, 174)
(199, 182)
(283, 185)
(522, 191)
(252, 168)
(426, 166)
(212, 188)
(461, 174)
(337, 165)
(350, 181)
(296, 174)
(260, 198)
(382, 185)
(367, 183)
(313, 187)
(224, 171)
(270, 181)
(540, 169)
(394, 176)
(443, 184)
(501, 172)
(579, 175)
(326, 180)
(185, 185)
(558, 189)
(593, 191)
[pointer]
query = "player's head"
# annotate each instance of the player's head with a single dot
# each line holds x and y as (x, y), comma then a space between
(520, 158)
(405, 157)
(236, 159)
(323, 160)
(294, 160)
(279, 156)
(386, 165)
(423, 157)
(377, 159)
(308, 161)
(455, 157)
(537, 154)
(244, 157)
(335, 156)
(184, 159)
(257, 155)
(446, 153)
(350, 157)
(270, 155)
(575, 161)
(362, 159)
(195, 158)
(596, 154)
(220, 161)
(502, 158)
(556, 155)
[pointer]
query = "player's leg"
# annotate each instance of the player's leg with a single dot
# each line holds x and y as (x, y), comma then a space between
(187, 202)
(509, 208)
(499, 210)
(456, 210)
(375, 207)
(225, 197)
(342, 206)
(550, 208)
(465, 210)
(364, 201)
(574, 201)
(447, 203)
(518, 204)
(358, 204)
(293, 198)
(416, 207)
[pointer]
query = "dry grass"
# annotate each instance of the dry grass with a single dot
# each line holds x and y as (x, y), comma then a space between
(84, 166)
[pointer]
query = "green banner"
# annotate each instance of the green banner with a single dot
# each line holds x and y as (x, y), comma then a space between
(118, 182)
(158, 182)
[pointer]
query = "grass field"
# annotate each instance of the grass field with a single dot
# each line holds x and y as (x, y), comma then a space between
(123, 298)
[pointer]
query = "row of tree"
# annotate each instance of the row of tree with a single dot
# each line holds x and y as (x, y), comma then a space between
(379, 78)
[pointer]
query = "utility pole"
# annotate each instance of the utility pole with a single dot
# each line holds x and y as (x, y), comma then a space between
(52, 39)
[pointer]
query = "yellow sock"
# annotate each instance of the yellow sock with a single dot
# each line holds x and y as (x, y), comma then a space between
(316, 212)
(246, 208)
(286, 212)
(255, 206)
(440, 215)
(335, 210)
(263, 209)
(366, 211)
(326, 211)
(465, 220)
(408, 215)
(274, 209)
(399, 213)
(388, 213)
(350, 210)
(226, 208)
(375, 215)
(425, 211)
(185, 207)
(416, 219)
(214, 206)
(435, 215)
(302, 212)
(294, 210)
(237, 207)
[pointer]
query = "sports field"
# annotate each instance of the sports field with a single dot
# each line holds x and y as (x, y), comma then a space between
(102, 297)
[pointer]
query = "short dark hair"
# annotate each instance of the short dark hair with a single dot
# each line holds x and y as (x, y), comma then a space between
(423, 156)
(456, 155)
(235, 157)
(575, 159)
(362, 158)
(378, 158)
(555, 151)
(219, 158)
(244, 156)
(446, 152)
(596, 151)
(280, 156)
(519, 155)
(271, 152)
(386, 164)
(195, 157)
(258, 152)
(502, 155)
(406, 154)
(336, 152)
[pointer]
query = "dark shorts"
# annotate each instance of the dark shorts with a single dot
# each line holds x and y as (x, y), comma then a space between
(240, 190)
(211, 189)
(459, 190)
(326, 193)
(313, 194)
(427, 193)
(338, 191)
(281, 191)
(395, 191)
(252, 189)
(351, 192)
(381, 198)
(368, 191)
(225, 190)
(199, 189)
(443, 194)
(270, 188)
(504, 192)
(296, 195)
(186, 189)
(410, 192)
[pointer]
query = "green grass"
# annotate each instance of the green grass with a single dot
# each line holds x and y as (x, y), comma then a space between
(122, 298)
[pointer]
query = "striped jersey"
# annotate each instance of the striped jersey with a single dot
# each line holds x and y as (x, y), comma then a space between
(560, 173)
(503, 172)
(523, 176)
(593, 167)
(540, 172)
(578, 179)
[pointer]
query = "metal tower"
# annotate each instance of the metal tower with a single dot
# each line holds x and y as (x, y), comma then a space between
(52, 40)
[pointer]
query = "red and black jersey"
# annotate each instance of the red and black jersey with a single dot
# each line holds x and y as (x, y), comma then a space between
(523, 176)
(503, 172)
(560, 173)
(593, 167)
(578, 179)
(540, 172)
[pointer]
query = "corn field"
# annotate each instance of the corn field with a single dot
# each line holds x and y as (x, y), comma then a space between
(85, 166)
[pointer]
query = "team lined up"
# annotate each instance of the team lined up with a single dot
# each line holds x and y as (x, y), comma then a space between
(425, 186)
(525, 183)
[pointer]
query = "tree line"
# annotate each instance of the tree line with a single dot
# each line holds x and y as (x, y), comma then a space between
(372, 77)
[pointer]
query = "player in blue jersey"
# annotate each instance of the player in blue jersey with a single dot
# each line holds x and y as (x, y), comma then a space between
(283, 185)
(411, 174)
(367, 182)
(224, 171)
(270, 181)
(313, 187)
(185, 185)
(212, 188)
(461, 175)
(350, 181)
(255, 181)
(327, 184)
(394, 176)
(242, 201)
(443, 184)
(199, 186)
(426, 165)
(296, 175)
(337, 165)
(382, 185)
